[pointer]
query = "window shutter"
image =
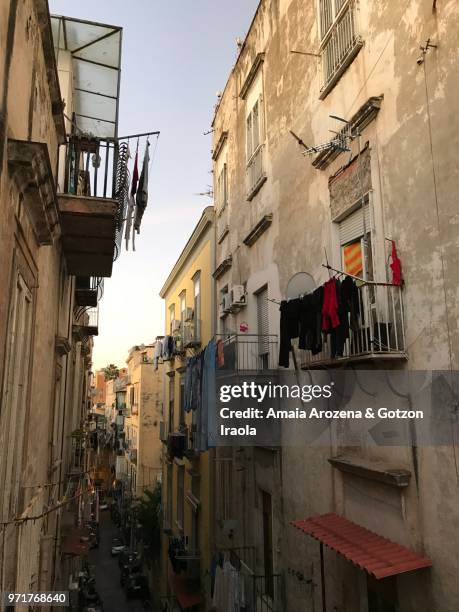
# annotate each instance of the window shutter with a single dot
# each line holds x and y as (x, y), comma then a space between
(262, 312)
(255, 126)
(261, 115)
(351, 227)
(225, 186)
(249, 136)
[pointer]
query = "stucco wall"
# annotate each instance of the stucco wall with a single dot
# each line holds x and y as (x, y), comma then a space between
(412, 145)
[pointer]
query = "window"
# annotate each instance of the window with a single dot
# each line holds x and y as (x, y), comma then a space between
(182, 309)
(182, 400)
(171, 402)
(223, 313)
(254, 143)
(222, 189)
(197, 295)
(180, 494)
(171, 317)
(14, 405)
(339, 40)
(197, 305)
(351, 235)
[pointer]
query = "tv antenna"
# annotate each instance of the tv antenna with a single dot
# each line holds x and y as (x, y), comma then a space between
(340, 142)
(209, 193)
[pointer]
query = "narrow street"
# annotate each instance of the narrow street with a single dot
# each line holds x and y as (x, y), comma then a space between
(107, 572)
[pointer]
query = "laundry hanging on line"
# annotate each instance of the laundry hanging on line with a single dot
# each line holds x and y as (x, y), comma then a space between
(329, 312)
(131, 207)
(142, 190)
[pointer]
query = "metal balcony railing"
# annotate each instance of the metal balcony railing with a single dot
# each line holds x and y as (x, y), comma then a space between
(90, 167)
(340, 44)
(268, 593)
(255, 170)
(379, 330)
(249, 352)
(98, 168)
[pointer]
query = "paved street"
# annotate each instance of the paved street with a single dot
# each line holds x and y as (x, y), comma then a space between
(107, 572)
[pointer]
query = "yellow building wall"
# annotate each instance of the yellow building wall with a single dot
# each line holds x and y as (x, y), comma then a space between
(200, 260)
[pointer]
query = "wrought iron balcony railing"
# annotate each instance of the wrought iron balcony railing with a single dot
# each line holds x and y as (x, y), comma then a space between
(98, 168)
(377, 331)
(249, 352)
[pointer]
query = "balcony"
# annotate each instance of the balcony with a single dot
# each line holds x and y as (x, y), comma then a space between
(88, 290)
(249, 353)
(86, 323)
(192, 333)
(91, 204)
(379, 332)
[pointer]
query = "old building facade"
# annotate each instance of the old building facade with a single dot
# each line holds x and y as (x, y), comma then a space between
(48, 305)
(382, 80)
(143, 413)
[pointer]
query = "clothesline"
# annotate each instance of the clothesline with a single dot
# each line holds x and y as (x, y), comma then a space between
(357, 278)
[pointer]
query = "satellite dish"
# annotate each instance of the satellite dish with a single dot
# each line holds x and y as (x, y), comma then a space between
(300, 284)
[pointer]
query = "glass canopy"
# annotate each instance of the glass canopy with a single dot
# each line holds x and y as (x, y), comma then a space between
(95, 49)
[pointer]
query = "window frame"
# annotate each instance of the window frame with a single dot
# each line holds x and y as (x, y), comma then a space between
(182, 298)
(171, 316)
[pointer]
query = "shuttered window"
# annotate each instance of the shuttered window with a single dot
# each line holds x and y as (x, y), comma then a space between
(263, 322)
(352, 227)
(351, 232)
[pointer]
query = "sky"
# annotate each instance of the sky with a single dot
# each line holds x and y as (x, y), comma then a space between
(177, 54)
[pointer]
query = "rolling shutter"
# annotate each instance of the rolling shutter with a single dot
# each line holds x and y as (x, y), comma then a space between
(262, 312)
(263, 321)
(351, 227)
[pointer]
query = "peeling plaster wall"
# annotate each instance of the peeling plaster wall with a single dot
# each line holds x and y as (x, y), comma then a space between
(412, 150)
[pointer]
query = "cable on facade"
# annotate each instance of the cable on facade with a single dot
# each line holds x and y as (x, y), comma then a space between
(21, 520)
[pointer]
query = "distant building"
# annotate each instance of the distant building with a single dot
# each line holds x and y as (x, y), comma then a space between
(143, 391)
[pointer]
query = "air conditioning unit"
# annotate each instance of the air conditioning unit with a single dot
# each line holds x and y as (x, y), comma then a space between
(238, 296)
(175, 326)
(189, 314)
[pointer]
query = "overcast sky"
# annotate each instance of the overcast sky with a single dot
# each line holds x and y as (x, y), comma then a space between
(176, 55)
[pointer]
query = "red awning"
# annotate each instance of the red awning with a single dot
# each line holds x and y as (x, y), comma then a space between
(371, 552)
(186, 591)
